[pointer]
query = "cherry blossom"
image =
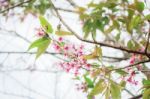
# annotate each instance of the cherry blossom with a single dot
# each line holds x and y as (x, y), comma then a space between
(40, 32)
(74, 54)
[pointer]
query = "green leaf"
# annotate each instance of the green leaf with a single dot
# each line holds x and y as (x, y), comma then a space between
(147, 17)
(134, 22)
(98, 88)
(115, 90)
(111, 5)
(45, 25)
(122, 20)
(38, 43)
(100, 24)
(89, 82)
(43, 48)
(63, 33)
(123, 84)
(87, 28)
(130, 13)
(90, 97)
(146, 82)
(146, 94)
(121, 72)
(117, 37)
(110, 29)
(139, 6)
(130, 44)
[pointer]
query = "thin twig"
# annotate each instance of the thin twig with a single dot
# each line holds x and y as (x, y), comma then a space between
(132, 65)
(17, 5)
(66, 10)
(136, 97)
(72, 3)
(15, 95)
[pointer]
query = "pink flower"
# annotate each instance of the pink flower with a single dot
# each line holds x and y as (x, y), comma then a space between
(56, 47)
(130, 79)
(60, 39)
(132, 60)
(40, 32)
(66, 48)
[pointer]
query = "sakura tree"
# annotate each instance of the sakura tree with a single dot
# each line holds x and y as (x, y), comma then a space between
(113, 25)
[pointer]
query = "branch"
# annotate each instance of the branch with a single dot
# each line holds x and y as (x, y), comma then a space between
(136, 97)
(24, 86)
(17, 5)
(132, 65)
(53, 53)
(72, 3)
(24, 52)
(16, 95)
(66, 10)
(128, 91)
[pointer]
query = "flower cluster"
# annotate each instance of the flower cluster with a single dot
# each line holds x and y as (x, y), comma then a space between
(131, 79)
(73, 55)
(134, 58)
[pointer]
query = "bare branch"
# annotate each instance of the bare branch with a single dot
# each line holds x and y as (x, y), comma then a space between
(72, 3)
(136, 97)
(132, 65)
(17, 5)
(66, 10)
(15, 95)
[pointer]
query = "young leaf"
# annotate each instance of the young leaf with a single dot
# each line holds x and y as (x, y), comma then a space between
(110, 29)
(134, 22)
(98, 88)
(146, 94)
(122, 84)
(45, 25)
(63, 33)
(38, 43)
(139, 6)
(42, 48)
(147, 17)
(96, 54)
(89, 82)
(130, 44)
(87, 28)
(146, 82)
(115, 90)
(121, 72)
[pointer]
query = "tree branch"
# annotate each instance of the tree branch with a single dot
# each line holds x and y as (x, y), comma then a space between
(132, 65)
(136, 97)
(16, 95)
(72, 3)
(17, 5)
(66, 10)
